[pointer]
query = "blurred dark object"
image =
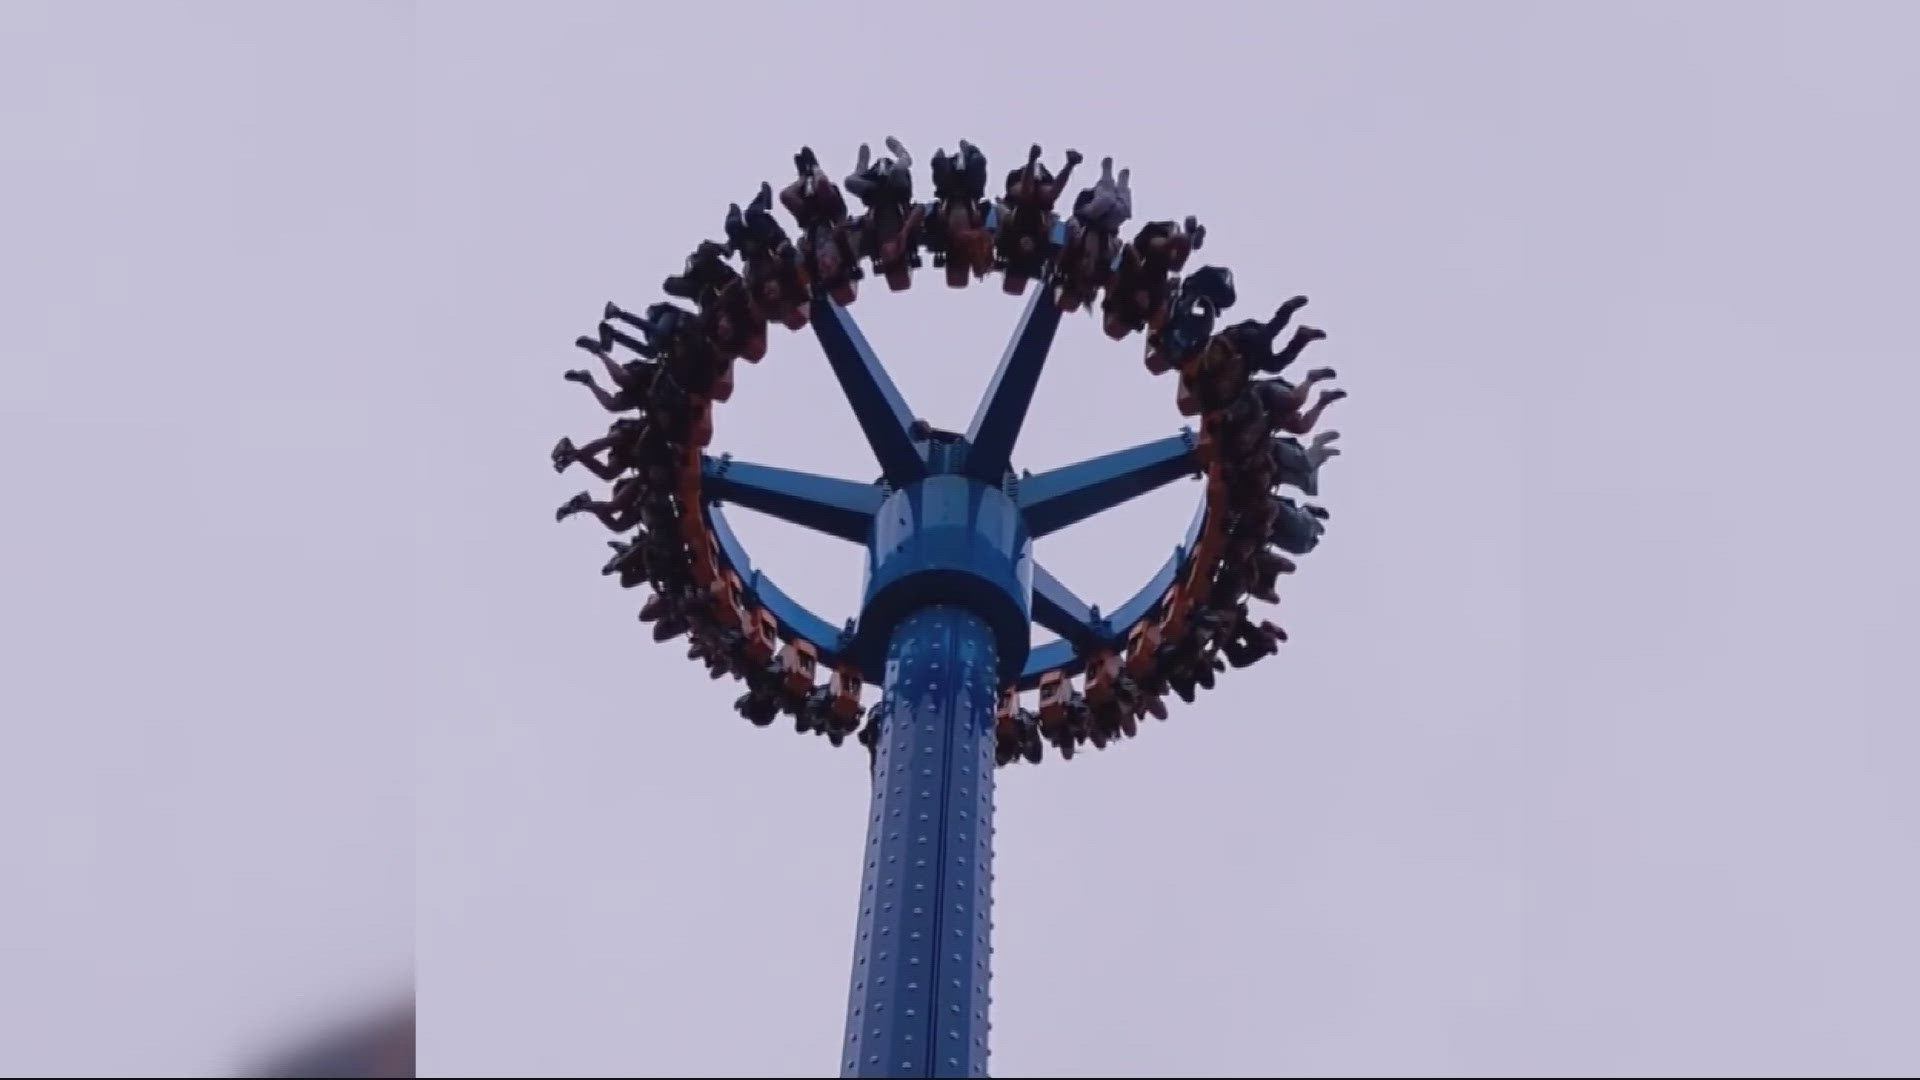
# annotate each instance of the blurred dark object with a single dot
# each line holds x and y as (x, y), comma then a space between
(379, 1047)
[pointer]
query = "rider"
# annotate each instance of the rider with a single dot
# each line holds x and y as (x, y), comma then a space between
(621, 511)
(633, 379)
(1284, 402)
(720, 293)
(705, 276)
(1246, 641)
(961, 176)
(620, 444)
(755, 231)
(676, 336)
(959, 212)
(817, 205)
(1300, 465)
(1108, 203)
(1139, 290)
(1031, 193)
(629, 561)
(811, 198)
(1297, 527)
(773, 273)
(890, 228)
(1203, 295)
(1034, 186)
(1253, 340)
(887, 181)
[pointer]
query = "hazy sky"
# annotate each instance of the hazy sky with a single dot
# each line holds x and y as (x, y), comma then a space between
(1592, 752)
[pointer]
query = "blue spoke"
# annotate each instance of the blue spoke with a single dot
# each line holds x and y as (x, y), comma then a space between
(1057, 498)
(1057, 608)
(1063, 654)
(877, 404)
(842, 508)
(1003, 408)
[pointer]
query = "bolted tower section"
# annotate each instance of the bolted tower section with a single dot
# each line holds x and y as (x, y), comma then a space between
(948, 604)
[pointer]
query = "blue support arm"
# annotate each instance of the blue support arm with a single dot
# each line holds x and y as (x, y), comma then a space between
(877, 404)
(1057, 608)
(1142, 603)
(1063, 653)
(842, 508)
(793, 618)
(1056, 655)
(1003, 408)
(1057, 498)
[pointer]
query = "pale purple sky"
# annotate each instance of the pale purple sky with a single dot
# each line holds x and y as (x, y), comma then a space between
(1592, 752)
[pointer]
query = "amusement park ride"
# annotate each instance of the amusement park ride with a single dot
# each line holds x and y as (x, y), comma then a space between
(952, 589)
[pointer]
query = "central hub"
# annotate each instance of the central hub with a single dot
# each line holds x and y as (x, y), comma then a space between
(948, 539)
(945, 451)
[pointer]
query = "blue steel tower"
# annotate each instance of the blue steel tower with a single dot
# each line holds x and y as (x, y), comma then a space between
(947, 607)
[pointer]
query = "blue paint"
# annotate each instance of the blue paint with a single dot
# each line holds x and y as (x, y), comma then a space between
(1003, 408)
(795, 619)
(1061, 610)
(949, 540)
(877, 404)
(1057, 498)
(842, 508)
(919, 996)
(1060, 655)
